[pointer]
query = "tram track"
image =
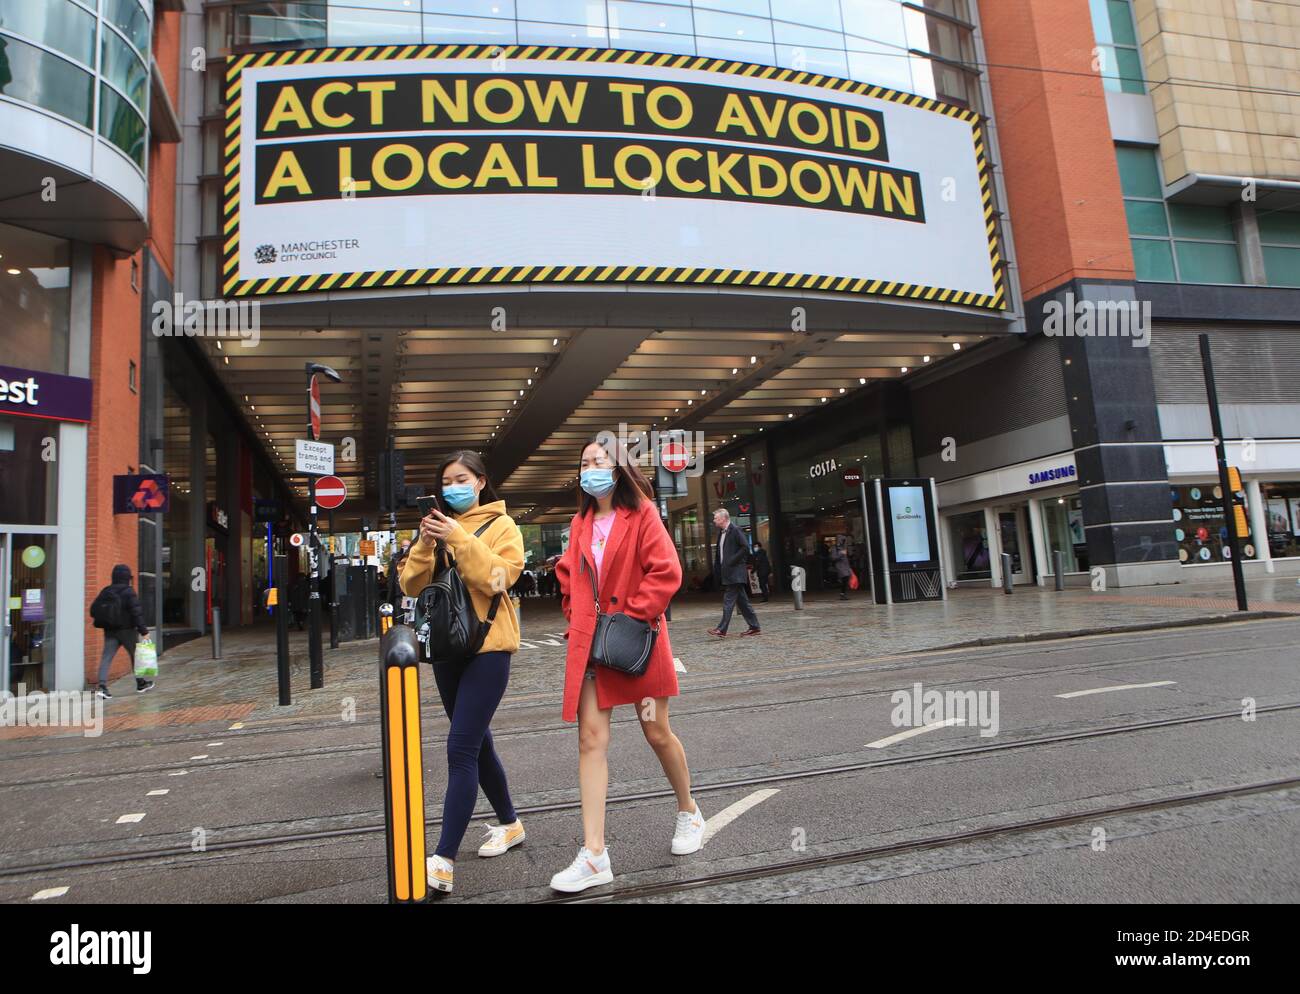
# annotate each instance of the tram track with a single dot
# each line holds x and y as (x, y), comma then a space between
(433, 711)
(270, 842)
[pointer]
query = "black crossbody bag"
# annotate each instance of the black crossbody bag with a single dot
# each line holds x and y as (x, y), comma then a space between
(621, 643)
(445, 623)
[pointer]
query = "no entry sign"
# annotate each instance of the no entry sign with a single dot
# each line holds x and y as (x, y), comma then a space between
(674, 456)
(313, 405)
(330, 492)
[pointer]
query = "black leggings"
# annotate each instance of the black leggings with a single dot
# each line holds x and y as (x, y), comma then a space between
(471, 695)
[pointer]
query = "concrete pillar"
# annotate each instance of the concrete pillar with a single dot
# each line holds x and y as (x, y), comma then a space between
(995, 547)
(1259, 524)
(1038, 538)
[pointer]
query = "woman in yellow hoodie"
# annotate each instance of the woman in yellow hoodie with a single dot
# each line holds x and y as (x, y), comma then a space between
(488, 565)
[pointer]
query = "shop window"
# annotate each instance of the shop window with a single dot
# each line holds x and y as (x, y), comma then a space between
(969, 540)
(29, 495)
(1064, 533)
(1282, 513)
(1199, 525)
(35, 303)
(1173, 243)
(1279, 236)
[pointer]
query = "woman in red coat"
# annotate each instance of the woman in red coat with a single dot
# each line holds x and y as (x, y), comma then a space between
(617, 535)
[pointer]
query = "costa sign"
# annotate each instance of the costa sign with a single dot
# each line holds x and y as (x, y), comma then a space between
(655, 168)
(29, 393)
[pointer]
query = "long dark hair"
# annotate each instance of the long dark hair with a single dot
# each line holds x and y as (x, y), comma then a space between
(473, 462)
(630, 485)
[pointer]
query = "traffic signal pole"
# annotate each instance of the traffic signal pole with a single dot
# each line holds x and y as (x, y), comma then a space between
(1225, 483)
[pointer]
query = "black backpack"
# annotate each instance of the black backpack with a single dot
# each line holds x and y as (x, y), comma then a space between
(445, 623)
(108, 611)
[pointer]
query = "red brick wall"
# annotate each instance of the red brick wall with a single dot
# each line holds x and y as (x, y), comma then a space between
(1066, 207)
(114, 445)
(116, 312)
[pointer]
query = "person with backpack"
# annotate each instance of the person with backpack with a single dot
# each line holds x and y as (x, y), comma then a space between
(487, 550)
(117, 611)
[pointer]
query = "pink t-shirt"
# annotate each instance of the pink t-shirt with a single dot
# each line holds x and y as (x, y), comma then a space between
(600, 528)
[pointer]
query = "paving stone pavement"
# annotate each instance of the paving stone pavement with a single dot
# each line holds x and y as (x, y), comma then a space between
(241, 687)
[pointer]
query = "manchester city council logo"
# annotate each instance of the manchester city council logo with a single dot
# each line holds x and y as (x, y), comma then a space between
(265, 253)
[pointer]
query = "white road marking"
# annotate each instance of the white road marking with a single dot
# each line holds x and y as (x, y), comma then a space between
(727, 815)
(157, 793)
(178, 773)
(900, 736)
(1122, 686)
(213, 744)
(131, 819)
(49, 892)
(193, 758)
(677, 665)
(238, 724)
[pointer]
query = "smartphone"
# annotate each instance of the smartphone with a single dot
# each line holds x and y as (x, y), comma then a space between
(427, 504)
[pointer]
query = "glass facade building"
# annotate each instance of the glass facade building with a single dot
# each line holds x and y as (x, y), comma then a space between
(923, 48)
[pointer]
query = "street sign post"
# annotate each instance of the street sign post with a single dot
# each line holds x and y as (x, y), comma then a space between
(313, 406)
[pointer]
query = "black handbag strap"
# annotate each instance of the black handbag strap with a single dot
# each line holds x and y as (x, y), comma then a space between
(582, 563)
(496, 598)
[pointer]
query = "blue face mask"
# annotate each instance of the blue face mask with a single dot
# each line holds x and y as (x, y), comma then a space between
(597, 482)
(459, 496)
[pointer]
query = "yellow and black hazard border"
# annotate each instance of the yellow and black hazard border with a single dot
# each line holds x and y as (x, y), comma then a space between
(233, 286)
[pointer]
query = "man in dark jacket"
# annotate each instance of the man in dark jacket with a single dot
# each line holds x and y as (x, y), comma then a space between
(733, 554)
(395, 572)
(762, 568)
(121, 633)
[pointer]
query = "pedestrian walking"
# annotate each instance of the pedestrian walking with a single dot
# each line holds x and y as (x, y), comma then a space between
(762, 567)
(733, 576)
(620, 562)
(117, 611)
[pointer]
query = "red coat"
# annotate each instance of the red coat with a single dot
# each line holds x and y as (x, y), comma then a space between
(639, 575)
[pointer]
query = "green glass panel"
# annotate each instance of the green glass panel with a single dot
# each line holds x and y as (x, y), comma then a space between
(34, 75)
(1199, 262)
(56, 23)
(1279, 227)
(1197, 221)
(1121, 22)
(1130, 70)
(1282, 265)
(129, 18)
(1153, 260)
(1100, 21)
(1138, 173)
(120, 124)
(1146, 218)
(122, 67)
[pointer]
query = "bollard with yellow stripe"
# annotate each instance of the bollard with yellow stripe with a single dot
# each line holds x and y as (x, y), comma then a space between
(399, 695)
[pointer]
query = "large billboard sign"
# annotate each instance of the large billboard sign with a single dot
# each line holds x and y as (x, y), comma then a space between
(465, 165)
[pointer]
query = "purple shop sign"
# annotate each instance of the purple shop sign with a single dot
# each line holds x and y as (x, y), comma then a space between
(30, 393)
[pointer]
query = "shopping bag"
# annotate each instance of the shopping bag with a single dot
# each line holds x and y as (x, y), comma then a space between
(146, 659)
(853, 580)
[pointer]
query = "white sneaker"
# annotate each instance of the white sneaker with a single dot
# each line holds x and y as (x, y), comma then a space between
(689, 834)
(438, 873)
(585, 871)
(502, 838)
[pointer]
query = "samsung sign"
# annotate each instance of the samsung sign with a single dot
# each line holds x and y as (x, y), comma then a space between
(32, 394)
(532, 164)
(1056, 474)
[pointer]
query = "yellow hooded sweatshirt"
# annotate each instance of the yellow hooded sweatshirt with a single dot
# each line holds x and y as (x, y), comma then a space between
(487, 564)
